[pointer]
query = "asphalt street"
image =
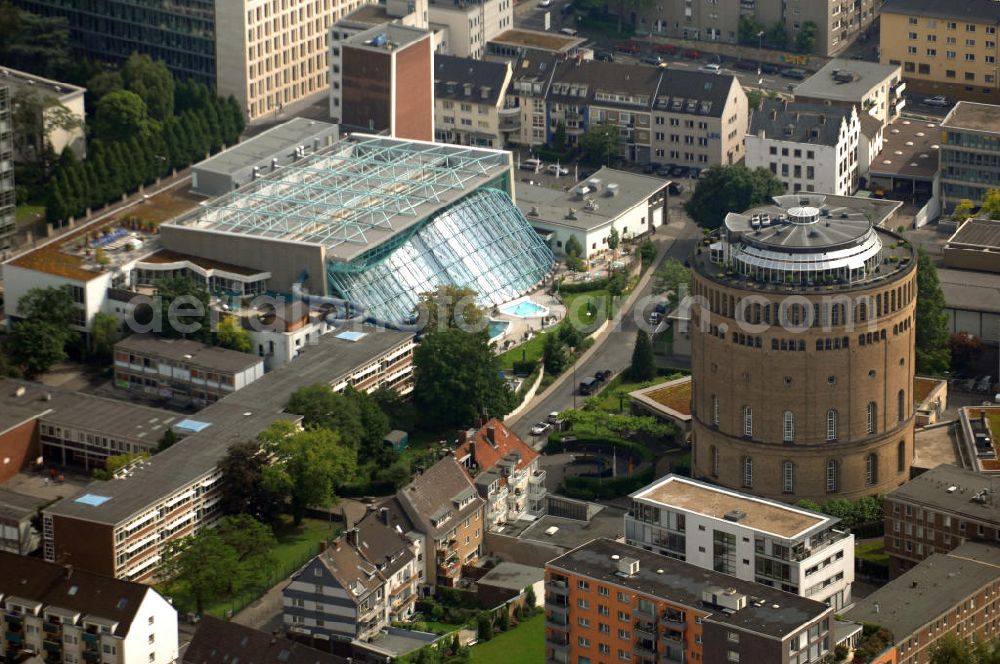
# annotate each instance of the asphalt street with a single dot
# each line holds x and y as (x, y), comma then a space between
(615, 350)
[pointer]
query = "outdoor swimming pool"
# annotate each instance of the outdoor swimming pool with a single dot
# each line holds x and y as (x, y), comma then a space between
(524, 309)
(498, 327)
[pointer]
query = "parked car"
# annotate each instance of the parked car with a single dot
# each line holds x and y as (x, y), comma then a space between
(540, 428)
(767, 68)
(631, 46)
(604, 375)
(675, 189)
(711, 68)
(695, 173)
(588, 385)
(665, 171)
(553, 417)
(568, 31)
(655, 317)
(604, 56)
(651, 168)
(531, 165)
(666, 49)
(684, 171)
(676, 171)
(939, 101)
(654, 60)
(556, 169)
(795, 73)
(745, 65)
(692, 54)
(545, 4)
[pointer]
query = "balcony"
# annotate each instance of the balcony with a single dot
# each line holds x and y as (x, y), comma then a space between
(510, 112)
(12, 637)
(672, 638)
(675, 623)
(510, 124)
(557, 639)
(645, 630)
(51, 628)
(898, 105)
(557, 611)
(538, 478)
(90, 639)
(556, 620)
(672, 656)
(556, 588)
(450, 570)
(648, 612)
(645, 648)
(898, 90)
(91, 656)
(52, 646)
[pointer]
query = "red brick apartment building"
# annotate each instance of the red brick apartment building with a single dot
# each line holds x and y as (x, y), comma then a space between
(610, 602)
(937, 512)
(947, 593)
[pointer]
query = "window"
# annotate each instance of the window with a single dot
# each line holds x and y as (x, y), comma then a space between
(901, 456)
(715, 410)
(901, 405)
(872, 413)
(748, 472)
(831, 476)
(788, 427)
(787, 477)
(714, 451)
(748, 421)
(871, 469)
(831, 424)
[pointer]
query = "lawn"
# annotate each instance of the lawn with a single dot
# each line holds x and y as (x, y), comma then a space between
(873, 551)
(608, 399)
(525, 644)
(587, 309)
(530, 351)
(25, 214)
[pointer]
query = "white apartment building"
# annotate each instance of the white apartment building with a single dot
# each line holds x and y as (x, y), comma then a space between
(751, 538)
(471, 23)
(78, 617)
(270, 54)
(809, 147)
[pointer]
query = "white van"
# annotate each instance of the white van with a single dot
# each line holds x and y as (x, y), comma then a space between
(533, 165)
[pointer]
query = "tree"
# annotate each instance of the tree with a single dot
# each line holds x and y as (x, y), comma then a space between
(167, 440)
(53, 305)
(230, 334)
(599, 144)
(242, 484)
(754, 99)
(991, 204)
(38, 340)
(105, 332)
(307, 466)
(484, 626)
(152, 81)
(400, 412)
(643, 366)
(184, 308)
(569, 335)
(33, 117)
(121, 115)
(573, 247)
(614, 240)
(204, 563)
(252, 542)
(559, 137)
(966, 352)
(748, 32)
(115, 463)
(963, 210)
(321, 407)
(458, 380)
(933, 353)
(617, 283)
(647, 251)
(103, 83)
(672, 278)
(776, 36)
(449, 306)
(554, 356)
(805, 41)
(34, 43)
(504, 622)
(726, 189)
(374, 427)
(529, 597)
(952, 649)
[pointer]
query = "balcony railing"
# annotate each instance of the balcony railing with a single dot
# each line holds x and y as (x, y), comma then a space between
(538, 477)
(510, 111)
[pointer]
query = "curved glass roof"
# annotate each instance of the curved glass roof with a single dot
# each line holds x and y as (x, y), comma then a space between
(482, 242)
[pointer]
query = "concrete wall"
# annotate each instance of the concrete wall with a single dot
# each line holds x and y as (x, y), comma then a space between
(284, 260)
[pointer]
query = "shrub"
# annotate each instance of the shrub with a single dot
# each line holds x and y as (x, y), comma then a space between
(484, 626)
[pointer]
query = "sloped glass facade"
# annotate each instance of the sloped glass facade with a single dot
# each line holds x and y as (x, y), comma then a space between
(481, 242)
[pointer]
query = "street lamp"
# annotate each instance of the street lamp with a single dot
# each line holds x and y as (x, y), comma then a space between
(760, 47)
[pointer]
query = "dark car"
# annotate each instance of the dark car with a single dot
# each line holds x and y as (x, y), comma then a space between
(676, 171)
(796, 74)
(695, 173)
(650, 168)
(675, 189)
(588, 385)
(604, 56)
(603, 375)
(766, 68)
(665, 170)
(745, 65)
(684, 172)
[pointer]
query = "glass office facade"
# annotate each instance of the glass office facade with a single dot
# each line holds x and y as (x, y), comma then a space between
(179, 32)
(482, 242)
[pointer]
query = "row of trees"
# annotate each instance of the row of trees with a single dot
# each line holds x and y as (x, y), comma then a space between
(754, 33)
(137, 138)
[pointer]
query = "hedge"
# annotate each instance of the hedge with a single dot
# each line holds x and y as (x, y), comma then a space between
(590, 488)
(556, 444)
(583, 286)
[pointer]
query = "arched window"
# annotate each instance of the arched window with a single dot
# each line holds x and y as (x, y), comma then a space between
(871, 417)
(831, 476)
(788, 427)
(715, 409)
(871, 469)
(748, 421)
(901, 456)
(787, 477)
(715, 460)
(901, 405)
(831, 424)
(748, 472)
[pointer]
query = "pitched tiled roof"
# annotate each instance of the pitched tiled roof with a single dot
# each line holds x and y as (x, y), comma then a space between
(77, 590)
(817, 124)
(579, 82)
(486, 79)
(221, 642)
(381, 544)
(694, 92)
(350, 569)
(440, 497)
(485, 450)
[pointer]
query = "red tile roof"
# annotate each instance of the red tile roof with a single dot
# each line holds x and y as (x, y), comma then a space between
(487, 452)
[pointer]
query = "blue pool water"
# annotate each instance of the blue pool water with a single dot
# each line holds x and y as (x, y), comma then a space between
(498, 327)
(524, 309)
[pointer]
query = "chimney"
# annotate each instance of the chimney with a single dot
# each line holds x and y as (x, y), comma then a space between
(822, 118)
(383, 513)
(322, 546)
(491, 434)
(352, 536)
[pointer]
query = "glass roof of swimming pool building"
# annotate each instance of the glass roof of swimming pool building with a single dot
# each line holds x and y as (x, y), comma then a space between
(393, 218)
